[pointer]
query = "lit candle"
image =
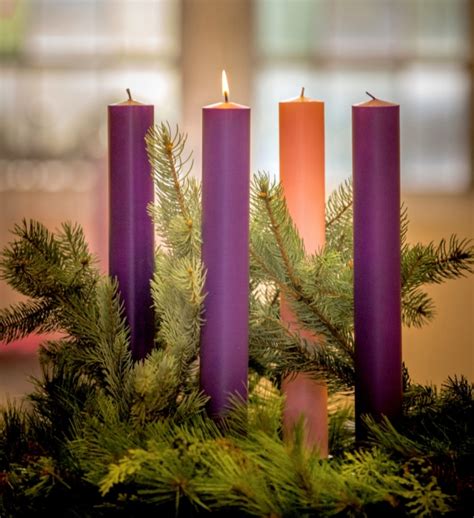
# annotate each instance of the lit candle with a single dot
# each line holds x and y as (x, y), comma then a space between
(225, 251)
(302, 178)
(131, 245)
(377, 297)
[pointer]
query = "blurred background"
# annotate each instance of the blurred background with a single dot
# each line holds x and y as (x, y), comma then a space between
(63, 61)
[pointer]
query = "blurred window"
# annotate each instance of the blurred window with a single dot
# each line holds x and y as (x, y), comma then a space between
(414, 52)
(61, 63)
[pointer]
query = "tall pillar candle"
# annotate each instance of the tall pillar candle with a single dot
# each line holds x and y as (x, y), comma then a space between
(377, 282)
(302, 178)
(225, 252)
(131, 244)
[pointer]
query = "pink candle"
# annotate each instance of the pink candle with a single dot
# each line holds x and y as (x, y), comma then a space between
(302, 177)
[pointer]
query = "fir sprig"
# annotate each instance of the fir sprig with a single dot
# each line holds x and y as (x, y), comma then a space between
(318, 299)
(24, 318)
(339, 210)
(431, 264)
(50, 268)
(177, 290)
(176, 211)
(255, 472)
(42, 264)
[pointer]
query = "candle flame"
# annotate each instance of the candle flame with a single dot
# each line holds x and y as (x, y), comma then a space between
(225, 86)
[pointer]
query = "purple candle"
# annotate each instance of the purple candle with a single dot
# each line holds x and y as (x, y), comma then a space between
(225, 252)
(377, 282)
(131, 244)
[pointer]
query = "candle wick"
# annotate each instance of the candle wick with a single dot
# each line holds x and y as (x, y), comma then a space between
(302, 92)
(226, 97)
(129, 94)
(370, 95)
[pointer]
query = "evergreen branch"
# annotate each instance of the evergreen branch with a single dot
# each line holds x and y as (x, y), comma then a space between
(457, 391)
(433, 264)
(386, 434)
(73, 245)
(333, 331)
(294, 292)
(40, 239)
(437, 426)
(39, 264)
(173, 159)
(113, 346)
(271, 276)
(273, 350)
(276, 350)
(177, 291)
(417, 308)
(337, 370)
(165, 152)
(61, 395)
(32, 263)
(453, 260)
(177, 209)
(14, 434)
(24, 318)
(339, 204)
(341, 423)
(275, 226)
(155, 382)
(286, 237)
(404, 221)
(272, 230)
(252, 472)
(102, 338)
(339, 209)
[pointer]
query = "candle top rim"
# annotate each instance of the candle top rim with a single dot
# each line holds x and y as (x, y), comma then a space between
(130, 103)
(375, 103)
(301, 99)
(226, 106)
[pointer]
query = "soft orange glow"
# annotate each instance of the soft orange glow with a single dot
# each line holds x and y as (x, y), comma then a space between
(225, 86)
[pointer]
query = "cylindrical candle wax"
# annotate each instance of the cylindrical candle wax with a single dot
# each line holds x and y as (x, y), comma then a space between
(302, 167)
(131, 243)
(302, 178)
(377, 284)
(225, 253)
